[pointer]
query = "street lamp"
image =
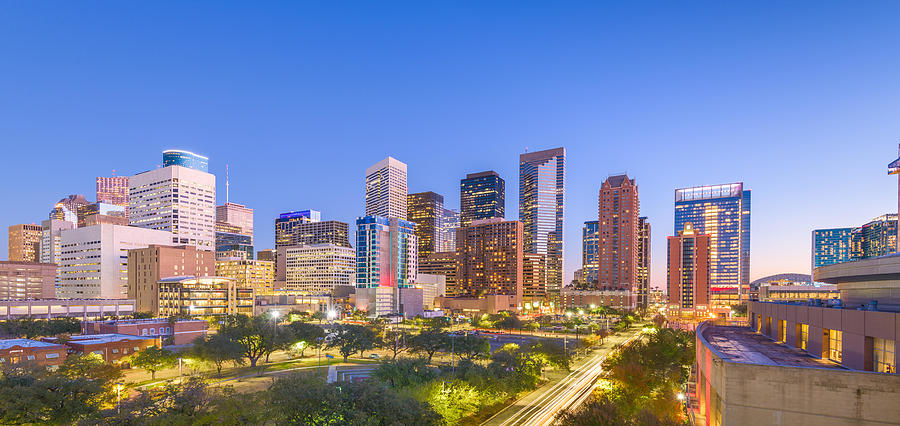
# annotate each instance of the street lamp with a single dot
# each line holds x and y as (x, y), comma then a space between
(118, 398)
(274, 314)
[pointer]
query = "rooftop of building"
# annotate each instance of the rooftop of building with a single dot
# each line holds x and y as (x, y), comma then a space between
(741, 344)
(140, 321)
(482, 174)
(24, 343)
(192, 279)
(96, 339)
(616, 181)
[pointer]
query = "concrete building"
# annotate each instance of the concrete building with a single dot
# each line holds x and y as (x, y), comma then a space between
(113, 190)
(619, 235)
(643, 275)
(67, 208)
(85, 309)
(797, 293)
(534, 278)
(481, 196)
(688, 268)
(258, 275)
(590, 254)
(148, 265)
(426, 210)
(433, 286)
(177, 157)
(179, 332)
(27, 351)
(541, 206)
(723, 213)
(387, 262)
(386, 189)
(441, 263)
(237, 215)
(51, 239)
(25, 243)
(616, 299)
(317, 268)
(490, 260)
(203, 296)
(27, 280)
(267, 254)
(286, 301)
(94, 259)
(175, 199)
(112, 347)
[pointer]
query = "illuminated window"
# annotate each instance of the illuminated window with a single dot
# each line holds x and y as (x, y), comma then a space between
(832, 340)
(884, 356)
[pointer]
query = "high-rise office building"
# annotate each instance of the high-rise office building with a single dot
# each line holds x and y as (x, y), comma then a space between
(643, 271)
(258, 275)
(230, 242)
(25, 243)
(449, 223)
(481, 196)
(426, 210)
(267, 254)
(148, 265)
(67, 208)
(317, 269)
(178, 200)
(541, 197)
(441, 263)
(306, 227)
(27, 280)
(723, 213)
(237, 215)
(101, 212)
(876, 238)
(534, 277)
(830, 246)
(176, 157)
(386, 262)
(386, 190)
(490, 258)
(51, 236)
(94, 259)
(590, 253)
(619, 209)
(689, 267)
(113, 190)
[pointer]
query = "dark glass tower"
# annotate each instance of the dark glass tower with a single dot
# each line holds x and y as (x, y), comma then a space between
(481, 196)
(541, 195)
(426, 209)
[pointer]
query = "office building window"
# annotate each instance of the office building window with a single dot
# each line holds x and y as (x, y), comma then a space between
(803, 336)
(884, 356)
(833, 339)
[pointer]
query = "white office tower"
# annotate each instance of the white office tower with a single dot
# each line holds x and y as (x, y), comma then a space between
(178, 200)
(386, 189)
(94, 259)
(51, 239)
(317, 268)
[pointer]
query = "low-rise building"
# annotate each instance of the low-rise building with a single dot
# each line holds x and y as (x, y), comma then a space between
(27, 280)
(112, 347)
(203, 296)
(86, 309)
(285, 301)
(797, 293)
(178, 332)
(490, 304)
(17, 351)
(146, 266)
(571, 297)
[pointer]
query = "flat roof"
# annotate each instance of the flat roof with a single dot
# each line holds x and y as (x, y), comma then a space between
(94, 339)
(25, 343)
(741, 344)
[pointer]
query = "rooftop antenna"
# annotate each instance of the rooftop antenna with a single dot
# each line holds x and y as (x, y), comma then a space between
(226, 183)
(526, 149)
(114, 172)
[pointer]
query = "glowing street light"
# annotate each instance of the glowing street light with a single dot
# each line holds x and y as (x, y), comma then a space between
(274, 314)
(680, 396)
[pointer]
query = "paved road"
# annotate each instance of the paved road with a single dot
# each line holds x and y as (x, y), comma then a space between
(541, 406)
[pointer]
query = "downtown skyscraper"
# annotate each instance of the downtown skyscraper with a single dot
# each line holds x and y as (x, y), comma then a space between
(723, 213)
(619, 236)
(386, 190)
(590, 247)
(481, 196)
(541, 197)
(426, 209)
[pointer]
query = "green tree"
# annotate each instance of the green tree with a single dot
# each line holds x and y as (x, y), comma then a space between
(34, 395)
(429, 342)
(471, 347)
(309, 334)
(352, 338)
(393, 340)
(404, 372)
(153, 359)
(217, 349)
(249, 333)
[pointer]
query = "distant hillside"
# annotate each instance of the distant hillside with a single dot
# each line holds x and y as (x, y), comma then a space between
(800, 278)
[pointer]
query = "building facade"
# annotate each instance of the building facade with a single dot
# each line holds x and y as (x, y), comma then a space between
(541, 199)
(426, 210)
(534, 278)
(449, 223)
(688, 268)
(94, 259)
(237, 215)
(113, 190)
(317, 268)
(177, 157)
(180, 332)
(386, 262)
(67, 208)
(590, 254)
(27, 351)
(148, 265)
(619, 232)
(203, 296)
(386, 190)
(723, 213)
(481, 196)
(258, 275)
(27, 280)
(306, 227)
(229, 242)
(178, 200)
(643, 275)
(876, 238)
(51, 236)
(25, 243)
(100, 213)
(441, 263)
(831, 246)
(490, 259)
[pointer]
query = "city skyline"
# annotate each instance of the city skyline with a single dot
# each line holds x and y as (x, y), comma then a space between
(771, 126)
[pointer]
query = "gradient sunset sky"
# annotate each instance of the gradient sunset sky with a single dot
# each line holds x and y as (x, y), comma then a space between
(798, 101)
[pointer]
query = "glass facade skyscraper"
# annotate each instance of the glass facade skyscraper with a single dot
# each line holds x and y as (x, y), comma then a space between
(722, 212)
(481, 196)
(177, 157)
(541, 197)
(831, 246)
(386, 262)
(590, 252)
(426, 209)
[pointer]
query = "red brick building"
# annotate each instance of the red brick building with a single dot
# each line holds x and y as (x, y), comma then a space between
(112, 347)
(619, 230)
(688, 270)
(16, 351)
(182, 331)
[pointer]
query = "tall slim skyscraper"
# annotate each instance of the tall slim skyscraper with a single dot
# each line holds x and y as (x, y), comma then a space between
(237, 215)
(25, 243)
(590, 253)
(481, 196)
(175, 199)
(643, 274)
(831, 246)
(113, 190)
(386, 190)
(386, 263)
(426, 209)
(177, 157)
(619, 208)
(689, 268)
(723, 213)
(541, 197)
(449, 223)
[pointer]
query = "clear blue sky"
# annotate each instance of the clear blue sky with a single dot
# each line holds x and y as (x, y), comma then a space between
(799, 101)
